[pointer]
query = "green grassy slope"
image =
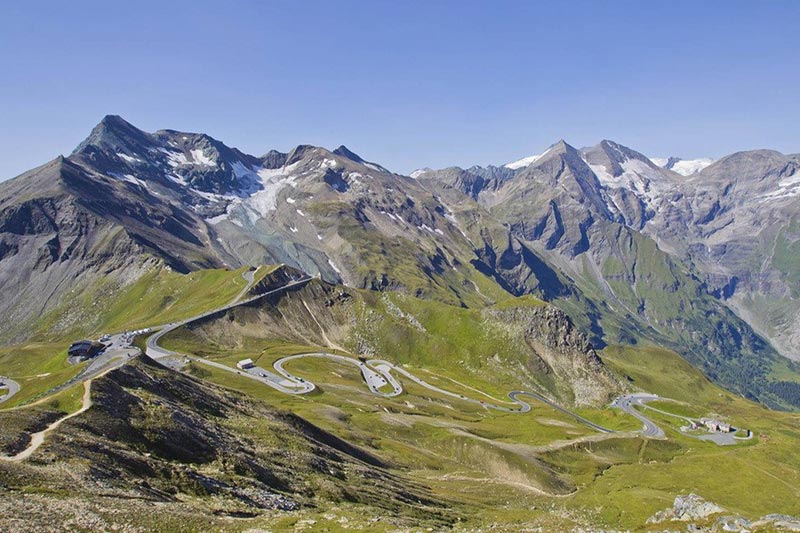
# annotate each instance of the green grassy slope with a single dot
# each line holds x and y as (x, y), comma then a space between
(157, 297)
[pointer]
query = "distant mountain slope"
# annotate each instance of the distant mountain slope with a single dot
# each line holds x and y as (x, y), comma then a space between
(126, 201)
(737, 221)
(615, 226)
(62, 226)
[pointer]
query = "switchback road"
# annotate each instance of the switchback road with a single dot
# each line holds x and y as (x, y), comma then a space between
(627, 403)
(11, 386)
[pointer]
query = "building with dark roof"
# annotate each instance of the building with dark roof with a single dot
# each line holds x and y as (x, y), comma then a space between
(84, 349)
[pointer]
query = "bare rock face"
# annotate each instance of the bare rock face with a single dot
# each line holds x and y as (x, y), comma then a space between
(780, 522)
(558, 348)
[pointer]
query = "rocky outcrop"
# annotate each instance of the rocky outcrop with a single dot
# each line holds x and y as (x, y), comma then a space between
(686, 509)
(700, 514)
(558, 348)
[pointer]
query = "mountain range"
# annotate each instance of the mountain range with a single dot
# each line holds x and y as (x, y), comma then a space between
(702, 257)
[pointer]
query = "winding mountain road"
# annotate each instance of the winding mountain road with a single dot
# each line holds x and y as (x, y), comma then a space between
(377, 374)
(628, 403)
(11, 386)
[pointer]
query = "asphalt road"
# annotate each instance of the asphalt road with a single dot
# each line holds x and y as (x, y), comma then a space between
(116, 354)
(119, 349)
(515, 394)
(375, 378)
(249, 277)
(389, 367)
(280, 383)
(628, 403)
(377, 373)
(11, 385)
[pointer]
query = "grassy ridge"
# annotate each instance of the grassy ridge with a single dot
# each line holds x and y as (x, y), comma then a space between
(158, 297)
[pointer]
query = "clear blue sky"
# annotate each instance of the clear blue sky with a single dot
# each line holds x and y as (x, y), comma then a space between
(407, 84)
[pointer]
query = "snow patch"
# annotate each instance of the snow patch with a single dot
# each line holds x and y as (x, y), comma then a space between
(637, 176)
(266, 200)
(787, 188)
(419, 172)
(175, 159)
(334, 267)
(791, 181)
(525, 161)
(290, 200)
(300, 213)
(217, 219)
(691, 166)
(130, 178)
(128, 158)
(202, 159)
(176, 179)
(604, 176)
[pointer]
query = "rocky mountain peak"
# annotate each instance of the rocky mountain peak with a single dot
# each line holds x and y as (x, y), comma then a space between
(560, 147)
(344, 151)
(273, 159)
(563, 152)
(114, 133)
(612, 156)
(299, 152)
